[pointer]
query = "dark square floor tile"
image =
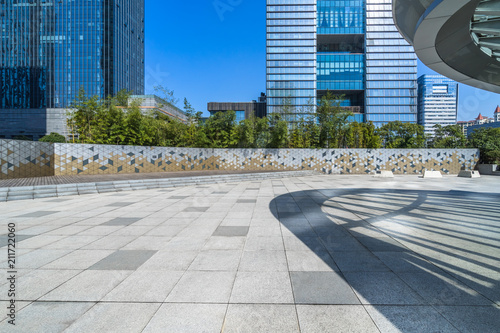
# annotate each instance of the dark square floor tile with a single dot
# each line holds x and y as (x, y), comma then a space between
(38, 214)
(231, 231)
(123, 260)
(246, 201)
(321, 288)
(196, 209)
(120, 204)
(122, 221)
(58, 200)
(19, 238)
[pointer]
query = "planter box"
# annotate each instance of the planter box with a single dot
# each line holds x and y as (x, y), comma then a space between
(489, 169)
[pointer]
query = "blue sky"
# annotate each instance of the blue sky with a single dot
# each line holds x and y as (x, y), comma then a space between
(215, 51)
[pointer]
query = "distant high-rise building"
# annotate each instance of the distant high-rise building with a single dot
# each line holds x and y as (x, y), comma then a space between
(51, 49)
(437, 102)
(350, 48)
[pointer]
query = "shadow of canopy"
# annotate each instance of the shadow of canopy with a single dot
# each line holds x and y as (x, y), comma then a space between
(435, 250)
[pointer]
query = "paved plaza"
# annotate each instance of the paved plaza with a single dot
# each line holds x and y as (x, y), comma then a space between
(305, 254)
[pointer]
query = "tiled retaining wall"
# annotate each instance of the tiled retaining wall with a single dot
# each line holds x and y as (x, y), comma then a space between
(31, 159)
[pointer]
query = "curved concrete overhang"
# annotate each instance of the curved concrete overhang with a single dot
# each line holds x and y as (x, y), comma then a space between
(440, 32)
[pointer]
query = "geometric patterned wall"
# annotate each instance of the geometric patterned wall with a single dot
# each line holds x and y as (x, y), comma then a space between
(24, 159)
(78, 159)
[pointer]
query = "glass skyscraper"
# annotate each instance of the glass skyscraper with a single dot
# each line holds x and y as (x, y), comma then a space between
(358, 51)
(437, 102)
(291, 56)
(50, 49)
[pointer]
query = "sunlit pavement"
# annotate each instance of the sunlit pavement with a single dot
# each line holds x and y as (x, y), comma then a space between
(307, 254)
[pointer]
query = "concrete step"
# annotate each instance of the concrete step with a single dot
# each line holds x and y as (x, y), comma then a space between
(61, 190)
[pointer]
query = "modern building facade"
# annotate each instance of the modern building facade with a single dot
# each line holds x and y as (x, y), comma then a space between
(244, 110)
(458, 39)
(350, 48)
(154, 103)
(51, 49)
(437, 102)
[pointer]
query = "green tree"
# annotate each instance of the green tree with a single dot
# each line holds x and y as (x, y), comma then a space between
(488, 142)
(450, 136)
(54, 138)
(221, 130)
(278, 131)
(401, 135)
(333, 121)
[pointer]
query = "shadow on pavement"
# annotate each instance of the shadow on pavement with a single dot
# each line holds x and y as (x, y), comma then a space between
(419, 261)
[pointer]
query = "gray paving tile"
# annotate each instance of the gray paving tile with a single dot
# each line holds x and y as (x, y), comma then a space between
(263, 261)
(216, 260)
(195, 209)
(4, 239)
(334, 318)
(382, 244)
(270, 243)
(257, 318)
(405, 262)
(321, 288)
(79, 259)
(262, 287)
(382, 288)
(144, 286)
(39, 214)
(39, 257)
(231, 231)
(123, 260)
(359, 261)
(165, 260)
(203, 287)
(109, 242)
(304, 243)
(88, 286)
(47, 317)
(122, 221)
(484, 319)
(120, 204)
(58, 200)
(188, 318)
(246, 201)
(442, 289)
(179, 197)
(225, 243)
(115, 317)
(310, 261)
(410, 319)
(343, 244)
(72, 242)
(37, 283)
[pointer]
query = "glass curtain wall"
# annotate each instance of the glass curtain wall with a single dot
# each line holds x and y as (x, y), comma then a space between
(391, 68)
(50, 49)
(341, 52)
(291, 57)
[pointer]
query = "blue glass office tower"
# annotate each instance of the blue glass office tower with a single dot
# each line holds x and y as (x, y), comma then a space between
(291, 56)
(359, 54)
(391, 68)
(50, 49)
